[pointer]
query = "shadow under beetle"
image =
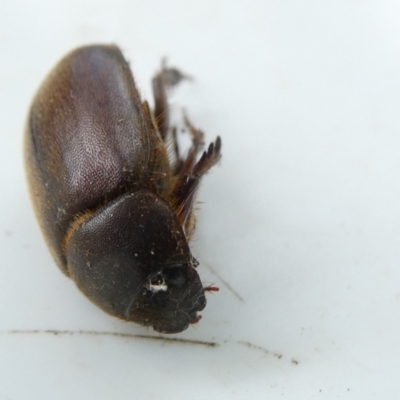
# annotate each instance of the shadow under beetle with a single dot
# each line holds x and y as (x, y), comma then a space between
(116, 213)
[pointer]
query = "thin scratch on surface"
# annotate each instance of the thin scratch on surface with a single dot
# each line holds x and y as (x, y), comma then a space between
(228, 286)
(56, 332)
(111, 334)
(265, 351)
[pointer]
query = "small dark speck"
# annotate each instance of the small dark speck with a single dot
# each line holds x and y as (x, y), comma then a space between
(295, 362)
(8, 233)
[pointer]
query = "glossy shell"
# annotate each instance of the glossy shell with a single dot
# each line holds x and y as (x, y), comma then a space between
(111, 206)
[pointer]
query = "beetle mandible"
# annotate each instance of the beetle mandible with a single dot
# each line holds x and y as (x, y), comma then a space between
(115, 211)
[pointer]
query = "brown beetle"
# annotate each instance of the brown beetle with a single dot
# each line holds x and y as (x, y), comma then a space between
(116, 213)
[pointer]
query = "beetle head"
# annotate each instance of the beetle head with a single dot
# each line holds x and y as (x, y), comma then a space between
(170, 299)
(132, 259)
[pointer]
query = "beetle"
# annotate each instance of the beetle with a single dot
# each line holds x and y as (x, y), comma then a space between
(115, 209)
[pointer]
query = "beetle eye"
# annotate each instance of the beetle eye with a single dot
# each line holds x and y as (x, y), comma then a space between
(176, 275)
(157, 280)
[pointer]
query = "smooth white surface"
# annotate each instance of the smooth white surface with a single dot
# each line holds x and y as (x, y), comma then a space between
(301, 219)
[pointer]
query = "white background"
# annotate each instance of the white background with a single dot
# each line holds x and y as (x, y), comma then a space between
(300, 222)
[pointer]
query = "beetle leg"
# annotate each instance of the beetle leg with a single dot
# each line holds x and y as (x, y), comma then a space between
(184, 166)
(178, 161)
(190, 175)
(163, 81)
